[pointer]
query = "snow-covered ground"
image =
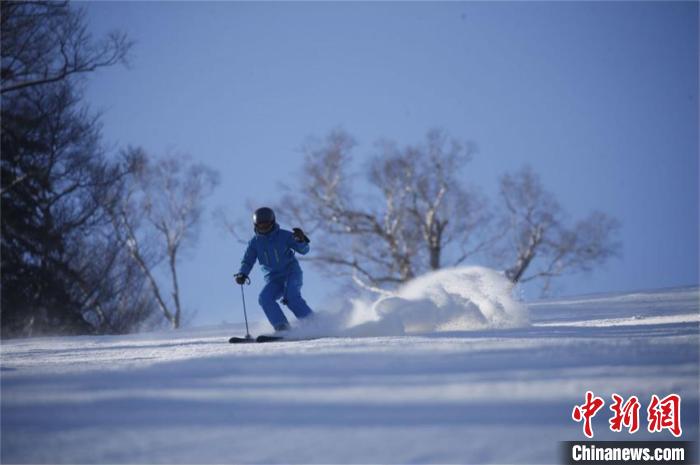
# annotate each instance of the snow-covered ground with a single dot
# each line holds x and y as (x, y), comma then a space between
(496, 392)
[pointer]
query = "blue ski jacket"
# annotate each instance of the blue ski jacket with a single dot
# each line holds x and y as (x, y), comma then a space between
(274, 252)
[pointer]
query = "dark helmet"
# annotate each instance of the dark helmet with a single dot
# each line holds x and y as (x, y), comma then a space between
(264, 220)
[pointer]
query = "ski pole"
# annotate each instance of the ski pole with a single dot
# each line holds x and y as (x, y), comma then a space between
(245, 315)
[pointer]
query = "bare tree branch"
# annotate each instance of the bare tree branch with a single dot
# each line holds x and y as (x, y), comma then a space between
(540, 236)
(48, 42)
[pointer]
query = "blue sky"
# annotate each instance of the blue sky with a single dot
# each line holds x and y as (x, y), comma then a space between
(601, 99)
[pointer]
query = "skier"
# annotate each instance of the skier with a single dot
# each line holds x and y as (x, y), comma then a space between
(274, 249)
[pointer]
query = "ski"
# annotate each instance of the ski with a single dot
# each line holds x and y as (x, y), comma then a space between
(261, 338)
(266, 338)
(241, 340)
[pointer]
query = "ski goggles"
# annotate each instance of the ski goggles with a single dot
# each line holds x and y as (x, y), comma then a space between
(264, 227)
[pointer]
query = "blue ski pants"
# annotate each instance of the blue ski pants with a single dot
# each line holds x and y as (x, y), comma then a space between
(287, 287)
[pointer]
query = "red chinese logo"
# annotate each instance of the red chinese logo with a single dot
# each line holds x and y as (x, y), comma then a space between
(587, 411)
(626, 414)
(665, 414)
(661, 413)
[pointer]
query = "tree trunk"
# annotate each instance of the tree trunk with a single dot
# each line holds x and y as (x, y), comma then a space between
(134, 252)
(435, 252)
(516, 272)
(525, 258)
(172, 255)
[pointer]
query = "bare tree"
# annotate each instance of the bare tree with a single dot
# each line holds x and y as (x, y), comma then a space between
(158, 216)
(45, 42)
(418, 217)
(544, 246)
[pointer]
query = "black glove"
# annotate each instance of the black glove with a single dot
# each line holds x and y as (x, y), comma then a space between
(299, 235)
(241, 278)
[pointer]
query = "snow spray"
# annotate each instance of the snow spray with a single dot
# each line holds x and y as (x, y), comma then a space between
(450, 299)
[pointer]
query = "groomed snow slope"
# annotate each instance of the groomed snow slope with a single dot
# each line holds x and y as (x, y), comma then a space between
(500, 394)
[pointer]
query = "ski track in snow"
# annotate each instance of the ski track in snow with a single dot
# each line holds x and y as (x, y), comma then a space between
(493, 395)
